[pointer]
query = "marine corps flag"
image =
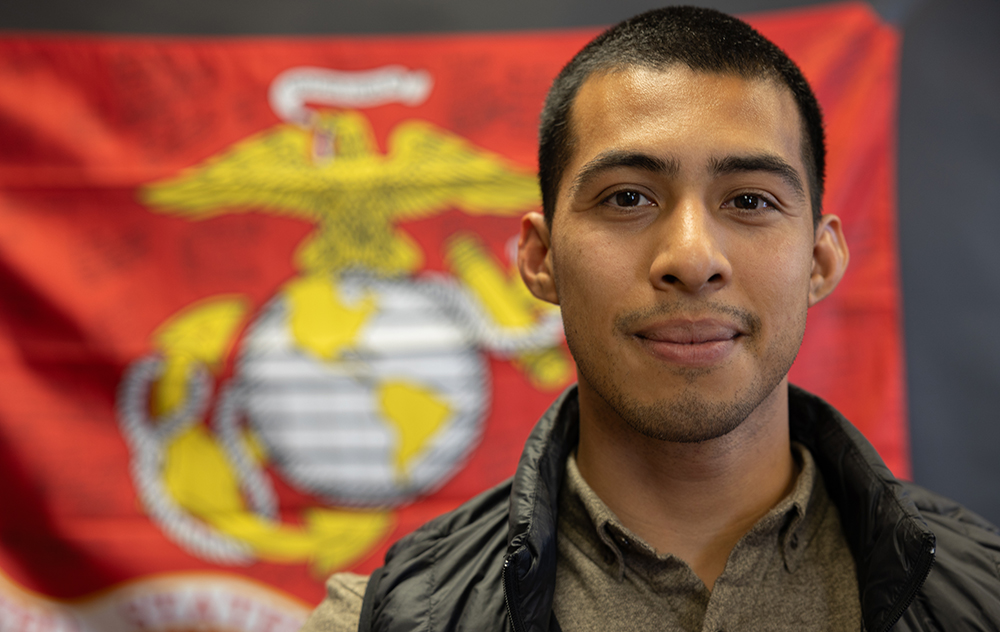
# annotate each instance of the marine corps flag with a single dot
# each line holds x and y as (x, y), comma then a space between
(260, 315)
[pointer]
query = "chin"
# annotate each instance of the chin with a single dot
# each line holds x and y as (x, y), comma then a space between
(699, 412)
(685, 419)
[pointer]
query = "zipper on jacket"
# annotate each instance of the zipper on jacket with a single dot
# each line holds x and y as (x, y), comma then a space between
(926, 562)
(508, 593)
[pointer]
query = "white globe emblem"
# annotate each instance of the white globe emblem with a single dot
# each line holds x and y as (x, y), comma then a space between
(321, 420)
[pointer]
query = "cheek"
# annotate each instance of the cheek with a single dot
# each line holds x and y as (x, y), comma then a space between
(590, 273)
(777, 277)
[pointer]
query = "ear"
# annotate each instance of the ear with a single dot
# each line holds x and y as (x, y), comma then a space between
(830, 257)
(534, 257)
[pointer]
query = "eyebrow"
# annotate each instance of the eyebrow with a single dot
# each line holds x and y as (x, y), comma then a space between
(768, 163)
(616, 159)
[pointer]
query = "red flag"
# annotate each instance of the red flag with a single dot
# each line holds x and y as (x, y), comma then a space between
(260, 316)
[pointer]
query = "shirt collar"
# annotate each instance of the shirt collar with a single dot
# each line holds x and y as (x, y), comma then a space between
(794, 521)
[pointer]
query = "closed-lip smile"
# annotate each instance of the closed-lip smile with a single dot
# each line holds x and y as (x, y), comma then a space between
(690, 342)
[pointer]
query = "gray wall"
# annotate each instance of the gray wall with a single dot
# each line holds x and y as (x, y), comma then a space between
(949, 174)
(949, 197)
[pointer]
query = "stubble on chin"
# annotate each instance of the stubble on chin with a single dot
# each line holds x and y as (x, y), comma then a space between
(690, 417)
(693, 415)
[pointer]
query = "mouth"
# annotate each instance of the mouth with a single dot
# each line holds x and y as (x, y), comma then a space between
(696, 343)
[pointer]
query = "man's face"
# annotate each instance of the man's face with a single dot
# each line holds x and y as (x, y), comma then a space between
(682, 248)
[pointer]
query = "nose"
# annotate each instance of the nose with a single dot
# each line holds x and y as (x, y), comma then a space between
(689, 255)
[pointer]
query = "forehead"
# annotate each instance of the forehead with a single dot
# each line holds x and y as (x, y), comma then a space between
(685, 115)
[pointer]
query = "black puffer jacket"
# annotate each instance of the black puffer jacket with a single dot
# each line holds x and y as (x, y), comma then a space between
(923, 562)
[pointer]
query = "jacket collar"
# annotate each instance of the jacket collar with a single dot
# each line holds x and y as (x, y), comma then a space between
(530, 565)
(893, 547)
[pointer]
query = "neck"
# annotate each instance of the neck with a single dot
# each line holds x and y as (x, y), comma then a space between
(692, 500)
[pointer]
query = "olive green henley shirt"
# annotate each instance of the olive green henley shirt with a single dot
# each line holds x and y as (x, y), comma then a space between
(792, 571)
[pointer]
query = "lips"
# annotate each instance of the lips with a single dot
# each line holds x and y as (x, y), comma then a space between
(690, 332)
(690, 342)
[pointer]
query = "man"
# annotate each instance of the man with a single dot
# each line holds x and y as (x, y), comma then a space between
(683, 484)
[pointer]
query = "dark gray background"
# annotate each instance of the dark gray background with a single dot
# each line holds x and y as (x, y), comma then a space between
(949, 173)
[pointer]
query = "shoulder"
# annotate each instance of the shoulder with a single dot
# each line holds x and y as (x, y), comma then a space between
(891, 524)
(964, 582)
(485, 513)
(450, 574)
(448, 570)
(340, 609)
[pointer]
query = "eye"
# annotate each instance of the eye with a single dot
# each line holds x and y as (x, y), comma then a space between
(627, 198)
(750, 202)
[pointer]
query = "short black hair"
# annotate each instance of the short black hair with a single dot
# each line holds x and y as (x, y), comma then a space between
(703, 39)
